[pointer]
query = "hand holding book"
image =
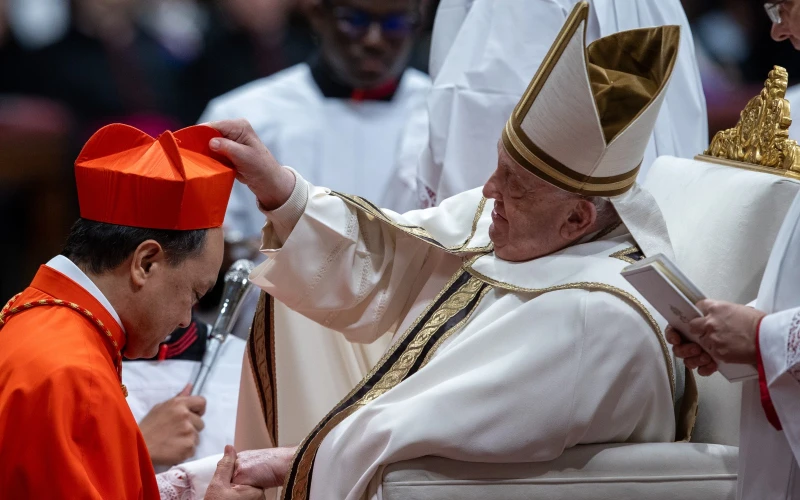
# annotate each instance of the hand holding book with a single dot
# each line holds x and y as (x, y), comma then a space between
(726, 331)
(693, 356)
(705, 325)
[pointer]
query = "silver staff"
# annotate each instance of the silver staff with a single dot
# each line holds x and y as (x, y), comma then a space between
(237, 285)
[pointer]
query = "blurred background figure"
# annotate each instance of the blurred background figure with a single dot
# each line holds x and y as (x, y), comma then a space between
(337, 119)
(246, 40)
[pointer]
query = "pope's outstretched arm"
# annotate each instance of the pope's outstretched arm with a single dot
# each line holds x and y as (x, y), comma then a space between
(326, 259)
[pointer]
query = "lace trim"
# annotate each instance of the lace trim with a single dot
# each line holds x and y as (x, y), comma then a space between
(793, 347)
(175, 485)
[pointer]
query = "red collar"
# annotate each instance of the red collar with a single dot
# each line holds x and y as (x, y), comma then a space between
(381, 92)
(59, 286)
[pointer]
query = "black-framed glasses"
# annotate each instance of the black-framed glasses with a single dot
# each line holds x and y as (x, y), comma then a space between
(774, 11)
(356, 23)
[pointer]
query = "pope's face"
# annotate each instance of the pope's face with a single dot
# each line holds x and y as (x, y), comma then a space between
(164, 300)
(789, 27)
(532, 218)
(366, 42)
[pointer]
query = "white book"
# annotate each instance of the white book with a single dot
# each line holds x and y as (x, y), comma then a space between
(673, 295)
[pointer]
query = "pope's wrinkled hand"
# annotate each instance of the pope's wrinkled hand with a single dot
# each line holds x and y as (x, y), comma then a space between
(221, 487)
(171, 429)
(255, 166)
(265, 468)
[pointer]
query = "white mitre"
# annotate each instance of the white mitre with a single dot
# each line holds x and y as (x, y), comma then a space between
(585, 120)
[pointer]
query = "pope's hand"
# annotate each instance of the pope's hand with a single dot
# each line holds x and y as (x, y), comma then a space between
(691, 353)
(263, 468)
(221, 487)
(171, 429)
(255, 166)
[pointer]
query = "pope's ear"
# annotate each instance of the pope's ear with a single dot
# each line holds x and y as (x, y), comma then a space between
(580, 220)
(147, 258)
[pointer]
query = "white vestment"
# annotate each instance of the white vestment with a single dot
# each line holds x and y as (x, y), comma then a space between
(520, 360)
(484, 53)
(152, 382)
(768, 459)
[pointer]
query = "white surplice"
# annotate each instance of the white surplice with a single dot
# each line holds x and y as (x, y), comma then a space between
(535, 369)
(484, 53)
(768, 459)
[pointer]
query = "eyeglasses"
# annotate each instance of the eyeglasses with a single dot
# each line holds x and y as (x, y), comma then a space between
(356, 23)
(774, 10)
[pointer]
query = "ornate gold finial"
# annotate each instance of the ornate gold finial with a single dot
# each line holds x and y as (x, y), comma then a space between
(761, 137)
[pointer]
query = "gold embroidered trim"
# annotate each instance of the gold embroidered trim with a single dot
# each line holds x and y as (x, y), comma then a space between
(623, 254)
(261, 349)
(451, 331)
(581, 186)
(593, 287)
(9, 310)
(303, 461)
(417, 231)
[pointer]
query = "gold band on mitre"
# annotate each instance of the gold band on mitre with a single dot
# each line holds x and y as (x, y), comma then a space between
(522, 150)
(625, 76)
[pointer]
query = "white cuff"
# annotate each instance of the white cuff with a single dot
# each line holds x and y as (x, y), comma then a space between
(778, 342)
(200, 473)
(284, 218)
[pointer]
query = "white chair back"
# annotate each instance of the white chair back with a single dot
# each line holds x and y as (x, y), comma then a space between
(723, 222)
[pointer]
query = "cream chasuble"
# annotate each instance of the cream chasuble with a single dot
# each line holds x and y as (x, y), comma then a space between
(768, 458)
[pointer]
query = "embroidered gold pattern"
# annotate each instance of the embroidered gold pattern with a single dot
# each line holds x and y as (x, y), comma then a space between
(450, 332)
(374, 212)
(9, 310)
(261, 349)
(761, 137)
(623, 254)
(304, 460)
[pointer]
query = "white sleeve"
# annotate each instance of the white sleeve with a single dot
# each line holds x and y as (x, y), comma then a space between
(779, 342)
(340, 267)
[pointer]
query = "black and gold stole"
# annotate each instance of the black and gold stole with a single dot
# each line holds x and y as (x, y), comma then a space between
(446, 314)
